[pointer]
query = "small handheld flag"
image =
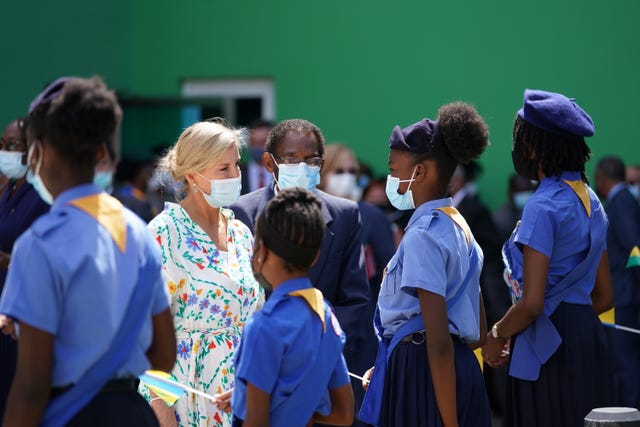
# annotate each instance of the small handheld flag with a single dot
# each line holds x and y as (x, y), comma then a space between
(168, 389)
(634, 258)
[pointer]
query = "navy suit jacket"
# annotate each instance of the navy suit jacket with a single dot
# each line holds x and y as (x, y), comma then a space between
(339, 272)
(623, 234)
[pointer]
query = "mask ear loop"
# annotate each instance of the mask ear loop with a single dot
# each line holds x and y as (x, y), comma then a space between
(412, 177)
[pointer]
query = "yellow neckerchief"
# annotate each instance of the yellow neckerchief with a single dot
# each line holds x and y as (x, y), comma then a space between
(314, 298)
(107, 211)
(455, 216)
(581, 190)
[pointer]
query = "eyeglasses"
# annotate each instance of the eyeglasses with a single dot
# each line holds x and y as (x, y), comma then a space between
(352, 171)
(12, 145)
(311, 161)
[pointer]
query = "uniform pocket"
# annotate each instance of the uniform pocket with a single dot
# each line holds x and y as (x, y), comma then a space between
(391, 277)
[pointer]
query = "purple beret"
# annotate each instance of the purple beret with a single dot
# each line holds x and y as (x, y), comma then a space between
(416, 138)
(555, 113)
(50, 93)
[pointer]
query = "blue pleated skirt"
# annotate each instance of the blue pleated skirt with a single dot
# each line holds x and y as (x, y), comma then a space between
(409, 398)
(575, 380)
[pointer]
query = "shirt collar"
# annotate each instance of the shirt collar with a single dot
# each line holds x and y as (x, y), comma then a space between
(425, 207)
(283, 290)
(76, 192)
(567, 175)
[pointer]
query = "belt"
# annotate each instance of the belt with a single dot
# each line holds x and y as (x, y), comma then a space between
(420, 336)
(414, 338)
(119, 385)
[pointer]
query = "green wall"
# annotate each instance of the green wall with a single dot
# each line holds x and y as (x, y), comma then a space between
(356, 68)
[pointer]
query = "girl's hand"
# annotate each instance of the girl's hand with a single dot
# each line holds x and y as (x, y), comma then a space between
(496, 351)
(366, 378)
(8, 327)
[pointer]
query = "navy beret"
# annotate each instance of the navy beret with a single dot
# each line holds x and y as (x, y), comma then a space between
(555, 113)
(50, 93)
(416, 138)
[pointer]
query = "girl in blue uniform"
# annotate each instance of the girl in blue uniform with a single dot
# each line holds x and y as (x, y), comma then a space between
(558, 272)
(430, 313)
(289, 368)
(84, 284)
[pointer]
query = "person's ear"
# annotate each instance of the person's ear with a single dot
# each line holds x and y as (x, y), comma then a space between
(421, 172)
(268, 162)
(100, 155)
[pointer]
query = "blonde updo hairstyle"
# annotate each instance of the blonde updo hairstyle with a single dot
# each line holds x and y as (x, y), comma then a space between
(200, 146)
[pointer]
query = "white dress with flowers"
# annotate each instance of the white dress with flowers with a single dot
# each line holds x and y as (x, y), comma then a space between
(213, 294)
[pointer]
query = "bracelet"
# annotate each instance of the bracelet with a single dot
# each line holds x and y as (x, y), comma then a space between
(154, 399)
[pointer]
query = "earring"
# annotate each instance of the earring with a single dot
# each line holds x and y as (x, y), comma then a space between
(259, 259)
(195, 188)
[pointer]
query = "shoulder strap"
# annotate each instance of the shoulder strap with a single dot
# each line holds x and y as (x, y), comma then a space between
(63, 408)
(536, 344)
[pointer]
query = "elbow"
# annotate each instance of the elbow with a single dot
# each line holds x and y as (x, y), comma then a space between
(441, 346)
(532, 309)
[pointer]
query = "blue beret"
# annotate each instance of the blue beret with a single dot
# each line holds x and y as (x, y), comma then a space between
(416, 138)
(50, 93)
(555, 113)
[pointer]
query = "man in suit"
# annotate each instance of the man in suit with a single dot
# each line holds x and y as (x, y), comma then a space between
(623, 235)
(254, 174)
(294, 155)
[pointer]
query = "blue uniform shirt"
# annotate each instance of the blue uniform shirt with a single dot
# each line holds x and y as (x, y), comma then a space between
(69, 278)
(277, 346)
(433, 255)
(554, 223)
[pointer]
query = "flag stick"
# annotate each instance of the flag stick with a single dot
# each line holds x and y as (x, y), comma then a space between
(622, 328)
(182, 386)
(355, 376)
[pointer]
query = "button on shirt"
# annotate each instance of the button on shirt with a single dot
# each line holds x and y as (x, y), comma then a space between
(434, 256)
(277, 346)
(69, 278)
(554, 223)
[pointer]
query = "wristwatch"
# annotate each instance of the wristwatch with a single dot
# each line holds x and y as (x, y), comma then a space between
(494, 330)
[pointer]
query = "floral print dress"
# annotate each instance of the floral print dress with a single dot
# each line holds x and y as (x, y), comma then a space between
(213, 294)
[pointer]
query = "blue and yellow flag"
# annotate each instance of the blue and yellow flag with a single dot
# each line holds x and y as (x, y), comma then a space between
(163, 385)
(634, 258)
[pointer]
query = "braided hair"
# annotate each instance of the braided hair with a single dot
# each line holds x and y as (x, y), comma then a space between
(553, 153)
(292, 226)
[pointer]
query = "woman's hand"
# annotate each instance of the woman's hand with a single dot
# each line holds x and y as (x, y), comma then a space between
(366, 378)
(223, 401)
(496, 351)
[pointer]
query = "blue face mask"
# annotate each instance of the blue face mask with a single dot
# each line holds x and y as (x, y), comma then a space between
(11, 164)
(103, 179)
(635, 190)
(521, 198)
(298, 175)
(34, 178)
(402, 202)
(223, 191)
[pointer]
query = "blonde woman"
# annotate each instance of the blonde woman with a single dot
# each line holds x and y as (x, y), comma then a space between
(206, 256)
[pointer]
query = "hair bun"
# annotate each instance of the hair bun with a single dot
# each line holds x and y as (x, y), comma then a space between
(463, 131)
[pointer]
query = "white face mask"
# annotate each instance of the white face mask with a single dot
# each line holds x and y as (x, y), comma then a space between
(402, 202)
(344, 185)
(34, 178)
(223, 191)
(11, 164)
(635, 190)
(298, 175)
